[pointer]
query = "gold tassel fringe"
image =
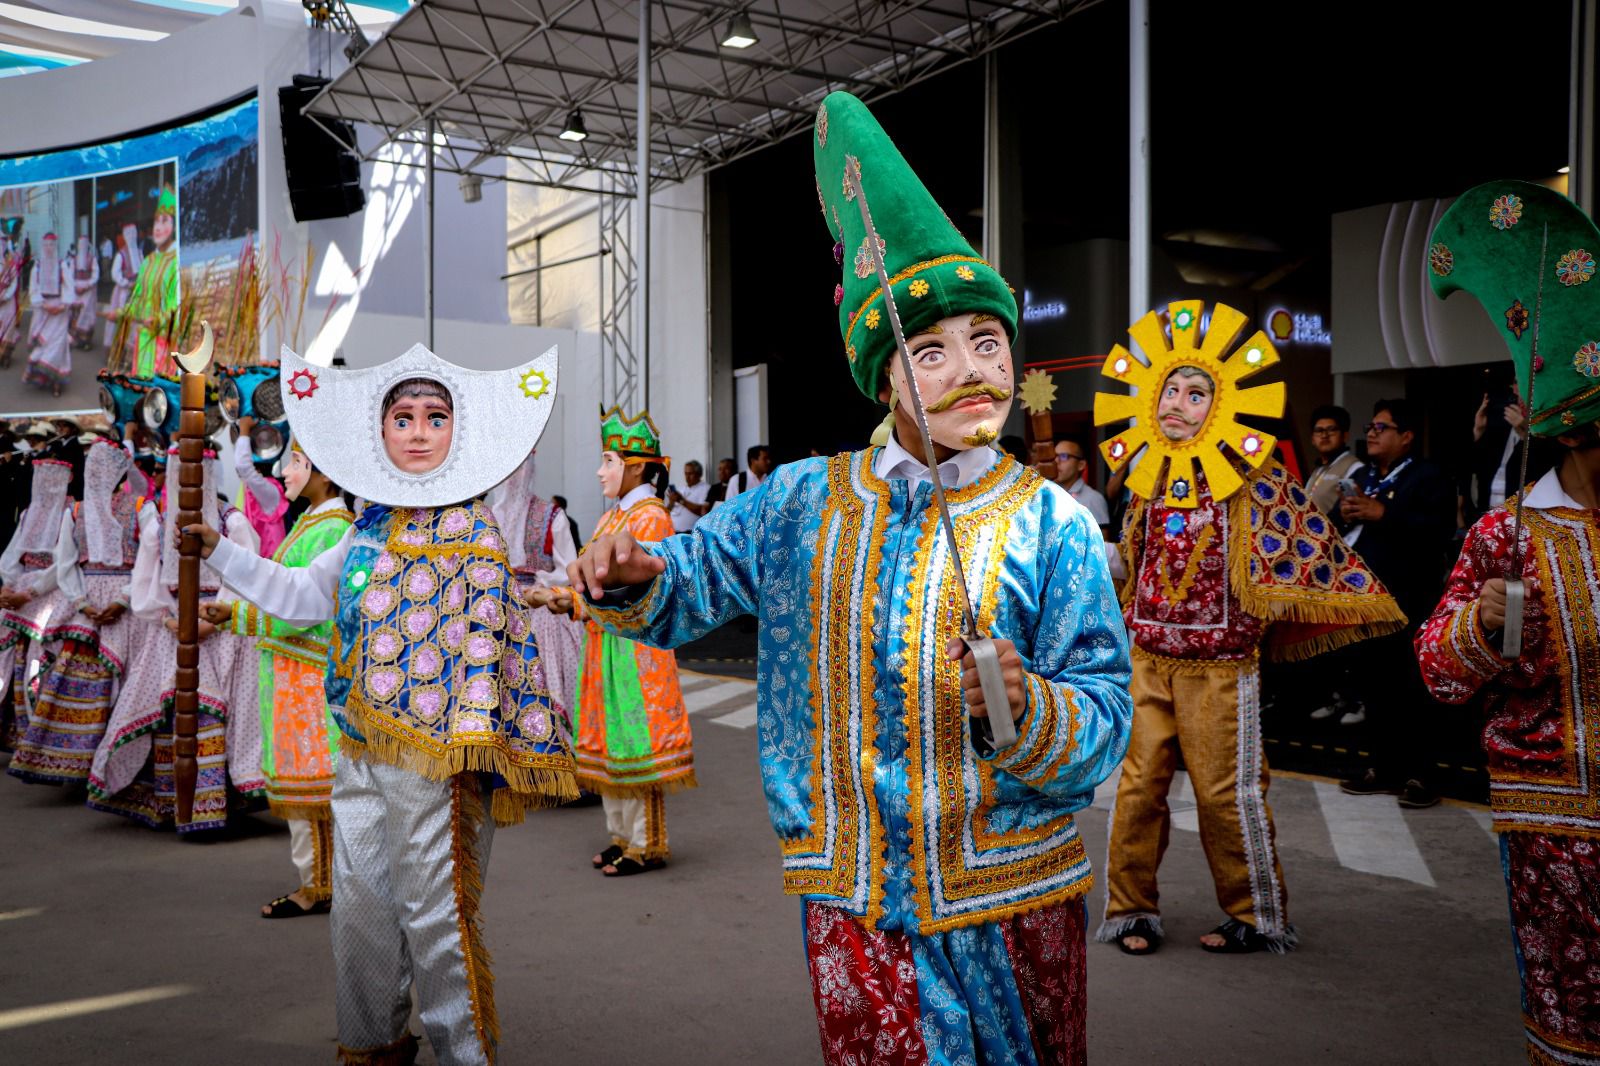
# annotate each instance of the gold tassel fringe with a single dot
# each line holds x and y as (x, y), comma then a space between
(553, 784)
(467, 814)
(301, 812)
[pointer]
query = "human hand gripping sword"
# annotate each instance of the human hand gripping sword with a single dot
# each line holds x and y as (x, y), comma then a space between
(1516, 588)
(1002, 727)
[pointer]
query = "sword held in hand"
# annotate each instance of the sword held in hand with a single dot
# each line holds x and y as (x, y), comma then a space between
(1002, 727)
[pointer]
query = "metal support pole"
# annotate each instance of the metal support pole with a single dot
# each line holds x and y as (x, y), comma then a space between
(427, 239)
(991, 162)
(641, 253)
(1580, 109)
(1138, 159)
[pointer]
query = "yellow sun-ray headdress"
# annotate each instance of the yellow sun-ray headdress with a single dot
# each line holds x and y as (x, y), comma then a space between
(1227, 369)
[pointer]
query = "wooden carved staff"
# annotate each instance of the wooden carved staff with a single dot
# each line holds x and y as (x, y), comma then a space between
(191, 495)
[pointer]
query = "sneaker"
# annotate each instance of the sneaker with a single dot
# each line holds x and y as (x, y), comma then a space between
(1368, 784)
(1324, 713)
(1417, 797)
(1355, 717)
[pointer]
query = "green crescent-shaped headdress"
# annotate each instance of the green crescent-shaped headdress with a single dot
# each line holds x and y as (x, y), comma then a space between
(934, 271)
(1489, 243)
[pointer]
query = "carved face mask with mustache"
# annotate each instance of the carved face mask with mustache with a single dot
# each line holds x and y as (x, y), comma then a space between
(963, 372)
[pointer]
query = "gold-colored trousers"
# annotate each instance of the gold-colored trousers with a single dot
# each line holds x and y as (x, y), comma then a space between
(1211, 710)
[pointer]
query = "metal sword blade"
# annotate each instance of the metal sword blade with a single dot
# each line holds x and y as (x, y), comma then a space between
(852, 170)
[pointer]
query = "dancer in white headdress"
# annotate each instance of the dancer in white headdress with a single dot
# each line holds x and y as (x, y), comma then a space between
(85, 293)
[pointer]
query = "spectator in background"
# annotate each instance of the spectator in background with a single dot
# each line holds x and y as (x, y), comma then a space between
(561, 502)
(726, 468)
(1406, 524)
(758, 464)
(1072, 459)
(688, 505)
(1497, 445)
(1330, 438)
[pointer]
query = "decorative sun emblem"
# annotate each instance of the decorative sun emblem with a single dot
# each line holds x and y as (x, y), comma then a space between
(534, 383)
(1038, 392)
(302, 383)
(1517, 319)
(1222, 442)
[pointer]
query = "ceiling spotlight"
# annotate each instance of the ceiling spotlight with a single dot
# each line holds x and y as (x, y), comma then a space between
(471, 186)
(574, 130)
(740, 33)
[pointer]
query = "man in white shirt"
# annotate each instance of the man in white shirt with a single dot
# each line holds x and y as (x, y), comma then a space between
(758, 463)
(1071, 461)
(688, 505)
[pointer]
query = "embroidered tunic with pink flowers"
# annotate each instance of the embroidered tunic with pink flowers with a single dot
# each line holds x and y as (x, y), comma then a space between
(433, 665)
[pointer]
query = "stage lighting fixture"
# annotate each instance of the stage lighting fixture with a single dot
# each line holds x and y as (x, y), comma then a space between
(740, 33)
(575, 130)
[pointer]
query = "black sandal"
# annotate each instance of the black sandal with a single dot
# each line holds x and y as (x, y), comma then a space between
(1237, 939)
(608, 856)
(284, 907)
(1145, 930)
(627, 866)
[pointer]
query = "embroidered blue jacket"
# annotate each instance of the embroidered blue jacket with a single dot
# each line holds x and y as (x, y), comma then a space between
(882, 805)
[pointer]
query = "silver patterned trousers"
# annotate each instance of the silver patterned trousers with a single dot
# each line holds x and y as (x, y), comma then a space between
(409, 857)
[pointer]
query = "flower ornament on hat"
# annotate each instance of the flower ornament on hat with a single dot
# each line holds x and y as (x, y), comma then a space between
(635, 440)
(1500, 265)
(933, 270)
(1227, 367)
(337, 419)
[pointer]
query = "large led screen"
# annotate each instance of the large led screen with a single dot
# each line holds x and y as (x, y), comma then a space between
(111, 253)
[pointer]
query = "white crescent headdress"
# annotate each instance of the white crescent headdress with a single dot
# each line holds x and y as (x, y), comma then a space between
(337, 416)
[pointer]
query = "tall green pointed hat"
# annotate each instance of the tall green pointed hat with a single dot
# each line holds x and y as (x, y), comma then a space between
(933, 270)
(1489, 243)
(167, 202)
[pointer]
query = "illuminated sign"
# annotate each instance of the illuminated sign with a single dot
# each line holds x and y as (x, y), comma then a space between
(1048, 311)
(1294, 328)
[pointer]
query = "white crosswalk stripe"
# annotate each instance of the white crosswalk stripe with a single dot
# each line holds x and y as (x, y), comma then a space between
(725, 701)
(1370, 834)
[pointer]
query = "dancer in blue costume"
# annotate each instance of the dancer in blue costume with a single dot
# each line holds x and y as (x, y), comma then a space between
(943, 880)
(447, 728)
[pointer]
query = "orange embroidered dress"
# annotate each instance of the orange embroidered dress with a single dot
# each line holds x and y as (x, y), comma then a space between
(632, 729)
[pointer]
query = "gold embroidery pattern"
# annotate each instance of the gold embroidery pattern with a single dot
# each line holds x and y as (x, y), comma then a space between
(1191, 567)
(950, 731)
(1565, 540)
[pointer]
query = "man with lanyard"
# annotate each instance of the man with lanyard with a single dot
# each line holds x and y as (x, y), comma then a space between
(943, 879)
(1406, 516)
(1330, 438)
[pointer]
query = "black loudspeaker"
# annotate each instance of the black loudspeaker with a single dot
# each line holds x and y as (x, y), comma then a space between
(324, 175)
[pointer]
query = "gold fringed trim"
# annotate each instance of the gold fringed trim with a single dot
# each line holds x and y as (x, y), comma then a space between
(640, 791)
(553, 779)
(1271, 603)
(301, 812)
(467, 815)
(1322, 643)
(402, 1052)
(1194, 666)
(315, 894)
(469, 552)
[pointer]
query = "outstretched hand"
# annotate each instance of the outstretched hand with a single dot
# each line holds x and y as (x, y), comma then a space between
(613, 561)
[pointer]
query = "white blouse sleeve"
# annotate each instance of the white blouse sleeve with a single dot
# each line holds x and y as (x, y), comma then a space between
(263, 488)
(11, 560)
(562, 550)
(148, 598)
(300, 596)
(68, 577)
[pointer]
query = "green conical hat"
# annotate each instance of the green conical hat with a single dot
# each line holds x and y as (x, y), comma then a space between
(934, 271)
(1488, 243)
(167, 202)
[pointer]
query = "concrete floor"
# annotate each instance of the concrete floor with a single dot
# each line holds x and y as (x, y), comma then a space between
(701, 962)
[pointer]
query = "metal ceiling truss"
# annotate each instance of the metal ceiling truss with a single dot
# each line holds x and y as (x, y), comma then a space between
(502, 76)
